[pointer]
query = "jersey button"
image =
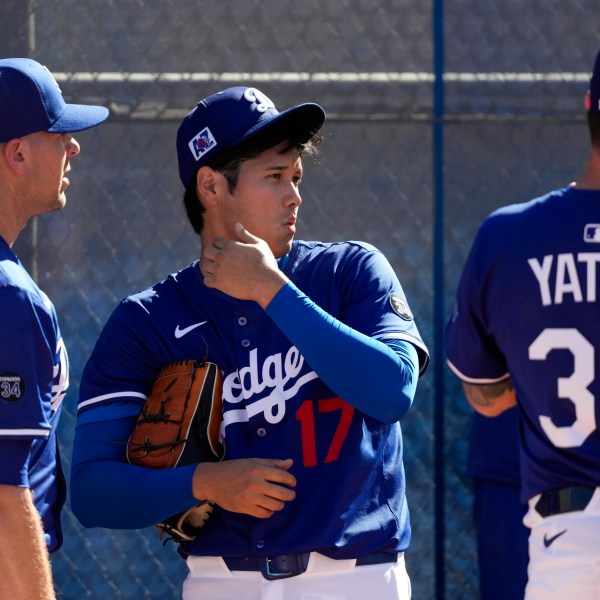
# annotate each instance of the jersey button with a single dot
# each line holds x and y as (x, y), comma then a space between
(242, 321)
(260, 544)
(245, 343)
(261, 432)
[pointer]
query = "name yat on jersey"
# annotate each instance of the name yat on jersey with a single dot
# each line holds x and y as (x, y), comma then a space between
(566, 276)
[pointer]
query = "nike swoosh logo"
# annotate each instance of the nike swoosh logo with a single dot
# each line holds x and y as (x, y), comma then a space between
(179, 333)
(549, 540)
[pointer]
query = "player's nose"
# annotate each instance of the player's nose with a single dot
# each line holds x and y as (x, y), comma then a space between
(72, 146)
(292, 196)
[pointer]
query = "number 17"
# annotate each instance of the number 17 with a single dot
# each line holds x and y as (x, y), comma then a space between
(306, 415)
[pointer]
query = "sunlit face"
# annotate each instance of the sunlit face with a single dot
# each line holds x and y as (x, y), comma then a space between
(266, 199)
(50, 156)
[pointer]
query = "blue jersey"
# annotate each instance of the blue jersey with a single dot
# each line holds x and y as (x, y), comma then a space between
(527, 308)
(34, 376)
(275, 404)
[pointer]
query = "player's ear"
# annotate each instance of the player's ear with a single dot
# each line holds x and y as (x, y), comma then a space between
(207, 185)
(14, 154)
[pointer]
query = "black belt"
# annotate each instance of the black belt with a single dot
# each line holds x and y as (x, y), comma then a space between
(566, 499)
(289, 565)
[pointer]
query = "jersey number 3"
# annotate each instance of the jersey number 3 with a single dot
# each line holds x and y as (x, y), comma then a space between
(573, 388)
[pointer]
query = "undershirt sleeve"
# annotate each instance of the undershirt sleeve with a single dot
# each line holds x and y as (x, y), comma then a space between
(377, 378)
(145, 496)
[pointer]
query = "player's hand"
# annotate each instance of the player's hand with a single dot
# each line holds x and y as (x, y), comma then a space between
(254, 486)
(245, 269)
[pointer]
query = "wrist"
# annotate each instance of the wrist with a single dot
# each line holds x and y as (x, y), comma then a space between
(202, 481)
(267, 292)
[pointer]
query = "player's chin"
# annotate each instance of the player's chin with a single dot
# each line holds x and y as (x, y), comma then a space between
(59, 202)
(282, 248)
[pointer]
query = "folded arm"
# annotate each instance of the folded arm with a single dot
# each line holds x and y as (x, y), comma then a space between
(377, 378)
(491, 399)
(107, 491)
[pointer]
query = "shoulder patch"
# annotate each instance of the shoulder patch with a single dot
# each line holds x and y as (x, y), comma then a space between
(401, 308)
(12, 386)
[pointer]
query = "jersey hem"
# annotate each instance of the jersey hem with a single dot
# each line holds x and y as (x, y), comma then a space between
(476, 380)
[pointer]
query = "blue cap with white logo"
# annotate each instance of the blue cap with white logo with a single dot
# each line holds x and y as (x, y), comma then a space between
(228, 118)
(31, 100)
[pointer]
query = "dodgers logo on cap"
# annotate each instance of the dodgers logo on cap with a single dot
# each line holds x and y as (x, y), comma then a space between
(228, 118)
(259, 101)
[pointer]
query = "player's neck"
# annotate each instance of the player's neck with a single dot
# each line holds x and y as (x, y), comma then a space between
(590, 180)
(10, 225)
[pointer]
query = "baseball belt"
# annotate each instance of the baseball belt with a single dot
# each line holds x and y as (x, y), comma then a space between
(290, 565)
(566, 499)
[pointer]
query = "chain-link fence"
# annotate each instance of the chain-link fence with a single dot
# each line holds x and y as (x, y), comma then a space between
(393, 172)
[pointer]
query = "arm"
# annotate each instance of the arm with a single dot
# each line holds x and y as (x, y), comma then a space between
(106, 491)
(376, 378)
(26, 571)
(491, 399)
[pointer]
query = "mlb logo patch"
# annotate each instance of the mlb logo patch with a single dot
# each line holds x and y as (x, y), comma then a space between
(591, 233)
(202, 143)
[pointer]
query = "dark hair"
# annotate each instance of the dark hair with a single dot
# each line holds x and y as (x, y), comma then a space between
(228, 162)
(593, 120)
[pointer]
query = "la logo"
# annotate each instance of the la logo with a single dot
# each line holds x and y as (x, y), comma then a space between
(260, 101)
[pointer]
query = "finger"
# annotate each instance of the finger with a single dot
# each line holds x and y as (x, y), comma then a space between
(278, 494)
(276, 463)
(220, 243)
(271, 504)
(210, 253)
(267, 505)
(260, 512)
(207, 266)
(277, 471)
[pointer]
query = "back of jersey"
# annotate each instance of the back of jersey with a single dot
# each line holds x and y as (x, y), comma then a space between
(530, 285)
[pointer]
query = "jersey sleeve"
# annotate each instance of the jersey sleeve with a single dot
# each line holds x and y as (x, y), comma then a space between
(26, 378)
(120, 369)
(471, 351)
(26, 367)
(374, 302)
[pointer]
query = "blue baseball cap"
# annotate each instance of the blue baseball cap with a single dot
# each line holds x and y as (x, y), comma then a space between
(228, 118)
(593, 95)
(31, 100)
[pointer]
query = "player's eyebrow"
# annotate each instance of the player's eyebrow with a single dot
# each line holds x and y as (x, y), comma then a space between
(299, 170)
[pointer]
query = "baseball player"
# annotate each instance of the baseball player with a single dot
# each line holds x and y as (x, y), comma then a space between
(36, 148)
(320, 357)
(525, 332)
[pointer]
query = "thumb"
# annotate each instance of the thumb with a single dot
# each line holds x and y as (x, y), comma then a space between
(243, 235)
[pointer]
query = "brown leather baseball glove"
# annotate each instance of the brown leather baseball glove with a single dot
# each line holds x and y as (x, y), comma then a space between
(179, 425)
